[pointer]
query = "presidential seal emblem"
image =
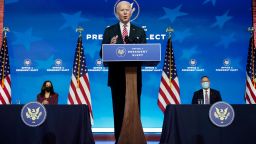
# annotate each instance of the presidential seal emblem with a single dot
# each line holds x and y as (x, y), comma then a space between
(27, 62)
(98, 62)
(226, 62)
(221, 114)
(58, 62)
(33, 114)
(120, 51)
(193, 62)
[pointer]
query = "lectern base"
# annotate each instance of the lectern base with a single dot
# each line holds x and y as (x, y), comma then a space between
(132, 131)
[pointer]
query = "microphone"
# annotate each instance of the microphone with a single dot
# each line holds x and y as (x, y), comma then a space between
(136, 40)
(127, 40)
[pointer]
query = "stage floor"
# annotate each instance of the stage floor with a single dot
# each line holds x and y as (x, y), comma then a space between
(112, 142)
(108, 138)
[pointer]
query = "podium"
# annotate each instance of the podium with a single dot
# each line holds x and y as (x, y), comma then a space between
(131, 55)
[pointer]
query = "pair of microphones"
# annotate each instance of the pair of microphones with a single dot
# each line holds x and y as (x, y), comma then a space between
(129, 40)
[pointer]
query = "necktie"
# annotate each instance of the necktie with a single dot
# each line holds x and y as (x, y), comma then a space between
(206, 97)
(124, 33)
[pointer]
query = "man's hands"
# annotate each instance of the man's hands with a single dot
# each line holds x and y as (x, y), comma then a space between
(114, 40)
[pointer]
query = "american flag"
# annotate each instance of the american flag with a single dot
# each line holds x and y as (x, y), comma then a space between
(5, 88)
(254, 19)
(169, 91)
(250, 94)
(79, 89)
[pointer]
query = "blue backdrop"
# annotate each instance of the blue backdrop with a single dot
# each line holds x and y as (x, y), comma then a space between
(210, 38)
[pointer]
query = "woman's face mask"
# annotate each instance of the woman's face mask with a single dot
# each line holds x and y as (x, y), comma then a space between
(48, 89)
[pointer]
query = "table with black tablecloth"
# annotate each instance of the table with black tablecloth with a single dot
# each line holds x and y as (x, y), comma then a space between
(65, 124)
(190, 124)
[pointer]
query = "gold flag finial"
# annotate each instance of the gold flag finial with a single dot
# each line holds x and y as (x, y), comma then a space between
(251, 29)
(79, 29)
(5, 30)
(169, 30)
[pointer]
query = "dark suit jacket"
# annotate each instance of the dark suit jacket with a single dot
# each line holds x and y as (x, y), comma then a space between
(116, 71)
(214, 96)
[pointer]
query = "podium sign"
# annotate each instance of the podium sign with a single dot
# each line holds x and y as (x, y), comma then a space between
(131, 52)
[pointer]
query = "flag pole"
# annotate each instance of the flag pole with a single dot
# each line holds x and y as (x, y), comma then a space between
(251, 30)
(169, 30)
(79, 29)
(5, 30)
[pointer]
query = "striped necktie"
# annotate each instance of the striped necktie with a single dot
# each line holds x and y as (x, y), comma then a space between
(207, 97)
(124, 33)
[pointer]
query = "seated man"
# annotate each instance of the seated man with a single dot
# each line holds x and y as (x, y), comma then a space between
(206, 95)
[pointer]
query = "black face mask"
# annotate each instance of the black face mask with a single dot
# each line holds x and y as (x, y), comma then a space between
(48, 89)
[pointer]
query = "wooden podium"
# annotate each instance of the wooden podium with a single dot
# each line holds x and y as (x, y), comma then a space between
(132, 131)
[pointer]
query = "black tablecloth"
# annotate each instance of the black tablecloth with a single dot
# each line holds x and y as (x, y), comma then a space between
(64, 124)
(190, 124)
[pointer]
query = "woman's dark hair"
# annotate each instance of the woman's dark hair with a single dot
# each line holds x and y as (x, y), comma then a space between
(44, 86)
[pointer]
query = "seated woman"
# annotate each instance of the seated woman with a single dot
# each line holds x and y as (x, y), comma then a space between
(47, 94)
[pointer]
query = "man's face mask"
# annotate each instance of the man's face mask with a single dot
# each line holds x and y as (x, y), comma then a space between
(205, 85)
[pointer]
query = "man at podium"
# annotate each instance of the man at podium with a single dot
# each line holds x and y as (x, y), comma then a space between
(121, 33)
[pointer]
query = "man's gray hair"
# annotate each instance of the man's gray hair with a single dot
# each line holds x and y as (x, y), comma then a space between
(122, 2)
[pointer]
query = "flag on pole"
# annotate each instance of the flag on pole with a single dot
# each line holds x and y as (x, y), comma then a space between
(250, 93)
(5, 88)
(169, 91)
(79, 89)
(254, 19)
